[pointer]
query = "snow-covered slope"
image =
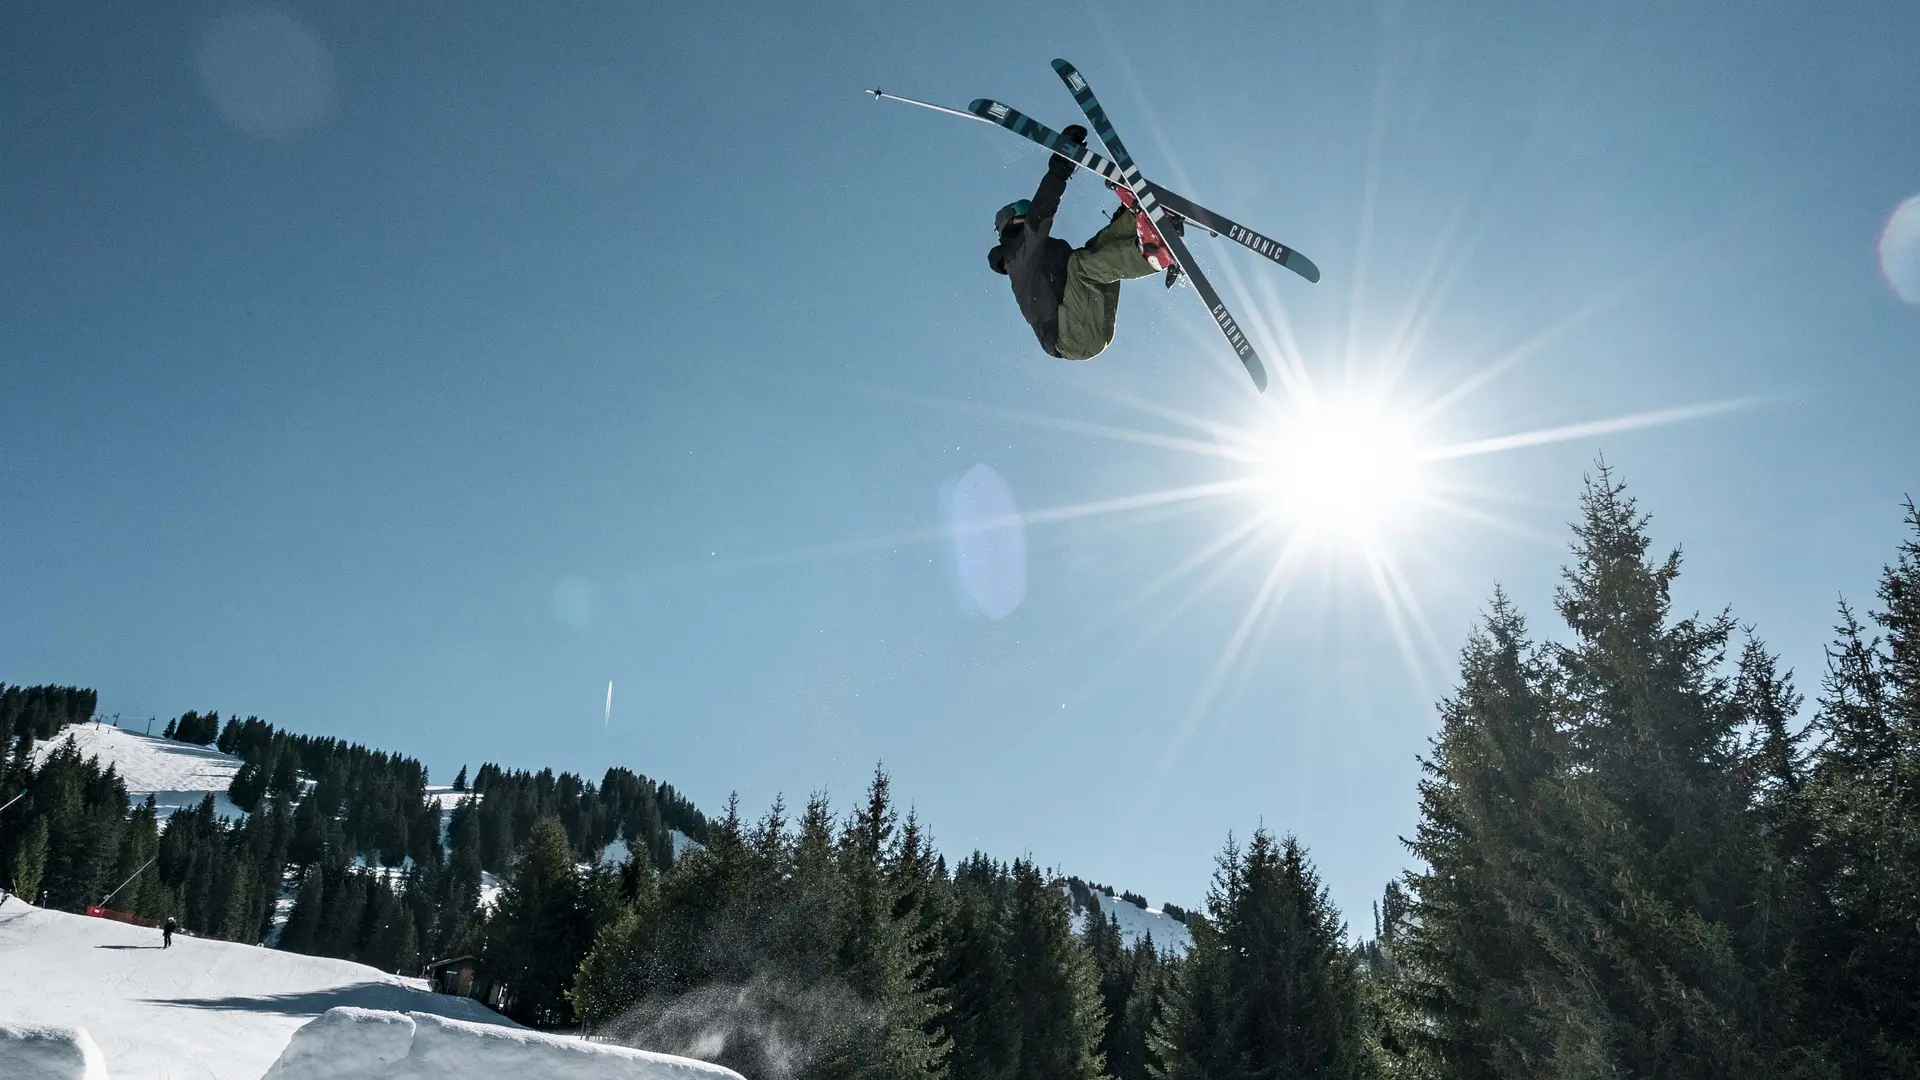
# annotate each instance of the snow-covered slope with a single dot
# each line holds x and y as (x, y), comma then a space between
(202, 1009)
(1169, 934)
(176, 774)
(49, 1052)
(355, 1044)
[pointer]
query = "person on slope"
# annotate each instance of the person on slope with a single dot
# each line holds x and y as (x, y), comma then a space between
(1071, 296)
(166, 932)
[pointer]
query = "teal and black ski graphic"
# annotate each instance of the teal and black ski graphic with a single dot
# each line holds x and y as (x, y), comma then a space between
(1218, 224)
(1150, 205)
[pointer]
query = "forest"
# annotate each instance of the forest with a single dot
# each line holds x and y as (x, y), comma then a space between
(1641, 852)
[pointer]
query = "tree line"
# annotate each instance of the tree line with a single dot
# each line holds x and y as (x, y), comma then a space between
(1635, 859)
(373, 868)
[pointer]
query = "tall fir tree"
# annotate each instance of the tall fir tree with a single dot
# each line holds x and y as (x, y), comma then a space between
(1863, 799)
(541, 929)
(1053, 1010)
(1484, 840)
(1270, 990)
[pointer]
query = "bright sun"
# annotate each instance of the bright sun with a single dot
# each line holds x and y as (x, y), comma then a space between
(1341, 470)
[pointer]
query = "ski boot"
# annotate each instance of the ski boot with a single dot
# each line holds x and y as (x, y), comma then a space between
(1154, 248)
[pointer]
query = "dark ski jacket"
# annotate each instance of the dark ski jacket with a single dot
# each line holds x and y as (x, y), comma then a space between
(1034, 261)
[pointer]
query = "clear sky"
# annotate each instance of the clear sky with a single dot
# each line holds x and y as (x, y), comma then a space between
(408, 372)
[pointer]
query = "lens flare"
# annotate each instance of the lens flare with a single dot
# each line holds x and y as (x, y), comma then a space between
(266, 72)
(1900, 250)
(989, 541)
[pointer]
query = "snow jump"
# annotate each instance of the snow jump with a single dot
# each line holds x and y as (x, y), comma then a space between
(1070, 296)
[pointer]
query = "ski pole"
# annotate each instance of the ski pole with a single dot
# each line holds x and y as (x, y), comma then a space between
(879, 95)
(124, 884)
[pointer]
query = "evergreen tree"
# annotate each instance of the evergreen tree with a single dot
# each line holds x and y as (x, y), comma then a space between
(302, 932)
(973, 973)
(1485, 839)
(391, 937)
(616, 973)
(541, 929)
(30, 863)
(1863, 798)
(1270, 990)
(1053, 1009)
(878, 953)
(1665, 917)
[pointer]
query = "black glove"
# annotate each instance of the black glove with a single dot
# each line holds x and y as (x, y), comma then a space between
(1075, 134)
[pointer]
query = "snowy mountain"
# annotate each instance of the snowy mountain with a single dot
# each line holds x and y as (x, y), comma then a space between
(178, 775)
(202, 1009)
(1169, 934)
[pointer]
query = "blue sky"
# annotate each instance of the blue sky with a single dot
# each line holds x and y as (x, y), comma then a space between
(407, 375)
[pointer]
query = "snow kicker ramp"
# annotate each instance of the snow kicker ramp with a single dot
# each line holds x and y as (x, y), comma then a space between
(202, 1010)
(375, 1044)
(49, 1052)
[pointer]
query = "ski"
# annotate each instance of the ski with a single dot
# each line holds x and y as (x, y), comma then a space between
(1218, 224)
(1151, 205)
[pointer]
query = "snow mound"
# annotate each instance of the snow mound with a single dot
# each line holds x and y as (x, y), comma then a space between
(1169, 934)
(202, 1010)
(350, 1043)
(178, 775)
(49, 1052)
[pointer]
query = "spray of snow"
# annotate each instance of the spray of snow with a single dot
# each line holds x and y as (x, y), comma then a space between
(766, 1028)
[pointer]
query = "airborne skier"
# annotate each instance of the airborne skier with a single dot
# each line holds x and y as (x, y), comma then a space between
(1071, 296)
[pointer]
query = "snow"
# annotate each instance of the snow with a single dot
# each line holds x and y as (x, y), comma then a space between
(178, 775)
(447, 798)
(490, 888)
(682, 843)
(351, 1043)
(202, 1010)
(1169, 934)
(49, 1052)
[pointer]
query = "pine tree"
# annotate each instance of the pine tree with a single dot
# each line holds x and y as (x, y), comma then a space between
(540, 930)
(1053, 1008)
(391, 935)
(1863, 798)
(302, 932)
(30, 863)
(1485, 841)
(615, 974)
(877, 951)
(973, 975)
(1270, 990)
(1601, 893)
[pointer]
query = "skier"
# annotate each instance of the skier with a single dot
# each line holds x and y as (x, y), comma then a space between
(1071, 297)
(166, 932)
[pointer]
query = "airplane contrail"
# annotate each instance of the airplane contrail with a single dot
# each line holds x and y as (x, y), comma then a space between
(608, 719)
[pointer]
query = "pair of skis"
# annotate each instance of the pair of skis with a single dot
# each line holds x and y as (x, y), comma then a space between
(1155, 201)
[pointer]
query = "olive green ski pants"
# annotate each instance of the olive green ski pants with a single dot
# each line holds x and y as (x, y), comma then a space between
(1092, 299)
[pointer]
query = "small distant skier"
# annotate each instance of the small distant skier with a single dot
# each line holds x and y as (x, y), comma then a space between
(166, 932)
(1071, 296)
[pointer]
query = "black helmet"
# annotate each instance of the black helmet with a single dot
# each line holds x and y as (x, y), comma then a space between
(1014, 209)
